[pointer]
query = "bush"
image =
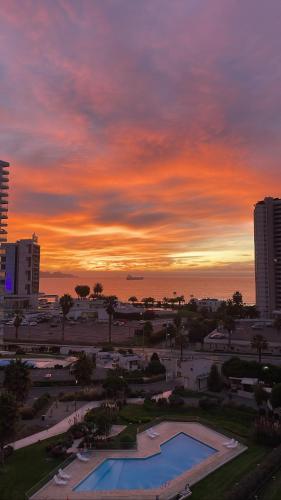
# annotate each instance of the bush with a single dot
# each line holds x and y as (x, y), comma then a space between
(127, 440)
(40, 403)
(208, 403)
(27, 412)
(78, 430)
(176, 400)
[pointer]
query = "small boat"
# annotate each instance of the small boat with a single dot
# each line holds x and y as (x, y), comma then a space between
(131, 277)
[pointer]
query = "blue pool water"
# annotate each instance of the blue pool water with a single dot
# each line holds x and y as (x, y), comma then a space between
(6, 362)
(177, 455)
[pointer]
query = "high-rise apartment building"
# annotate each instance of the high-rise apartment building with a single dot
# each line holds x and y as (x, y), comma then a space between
(267, 225)
(22, 267)
(4, 187)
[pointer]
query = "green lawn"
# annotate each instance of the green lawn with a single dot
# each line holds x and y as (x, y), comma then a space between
(214, 486)
(25, 468)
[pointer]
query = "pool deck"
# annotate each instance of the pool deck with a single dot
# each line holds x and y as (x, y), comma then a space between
(146, 447)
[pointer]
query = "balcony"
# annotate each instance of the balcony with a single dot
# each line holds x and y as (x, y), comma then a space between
(4, 195)
(5, 172)
(5, 179)
(3, 224)
(3, 216)
(4, 186)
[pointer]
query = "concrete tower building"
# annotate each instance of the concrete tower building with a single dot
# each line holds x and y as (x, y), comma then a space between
(4, 187)
(267, 226)
(22, 267)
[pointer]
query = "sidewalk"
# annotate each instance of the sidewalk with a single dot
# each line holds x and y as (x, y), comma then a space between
(64, 424)
(58, 428)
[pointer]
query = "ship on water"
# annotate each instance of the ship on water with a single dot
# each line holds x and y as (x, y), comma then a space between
(132, 277)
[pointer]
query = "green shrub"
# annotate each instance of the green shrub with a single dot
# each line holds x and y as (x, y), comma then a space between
(27, 412)
(208, 403)
(41, 403)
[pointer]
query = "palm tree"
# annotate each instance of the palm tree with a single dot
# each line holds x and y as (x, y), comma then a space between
(133, 299)
(66, 303)
(260, 344)
(110, 303)
(178, 325)
(98, 289)
(17, 323)
(229, 325)
(82, 291)
(181, 300)
(165, 302)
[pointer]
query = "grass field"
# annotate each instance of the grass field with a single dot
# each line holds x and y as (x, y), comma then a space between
(25, 468)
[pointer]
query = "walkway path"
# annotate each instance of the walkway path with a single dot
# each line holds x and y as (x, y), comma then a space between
(58, 428)
(64, 424)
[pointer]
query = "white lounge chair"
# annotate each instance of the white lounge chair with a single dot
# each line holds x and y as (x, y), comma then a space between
(59, 482)
(81, 458)
(63, 475)
(227, 443)
(233, 445)
(150, 434)
(155, 433)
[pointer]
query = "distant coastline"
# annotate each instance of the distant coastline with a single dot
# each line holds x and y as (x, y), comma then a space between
(56, 274)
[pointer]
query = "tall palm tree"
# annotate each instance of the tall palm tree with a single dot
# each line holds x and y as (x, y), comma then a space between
(260, 344)
(178, 325)
(17, 323)
(66, 303)
(98, 289)
(229, 325)
(110, 303)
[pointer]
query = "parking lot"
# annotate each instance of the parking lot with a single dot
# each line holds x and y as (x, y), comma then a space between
(79, 333)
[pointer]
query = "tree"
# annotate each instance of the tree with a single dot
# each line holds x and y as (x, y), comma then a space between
(229, 325)
(17, 379)
(171, 332)
(261, 396)
(147, 329)
(115, 386)
(178, 325)
(98, 289)
(237, 299)
(82, 291)
(275, 397)
(83, 369)
(102, 421)
(155, 367)
(66, 303)
(133, 299)
(17, 323)
(260, 344)
(111, 303)
(214, 381)
(180, 299)
(9, 415)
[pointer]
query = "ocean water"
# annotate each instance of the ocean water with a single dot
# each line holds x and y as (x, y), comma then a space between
(159, 285)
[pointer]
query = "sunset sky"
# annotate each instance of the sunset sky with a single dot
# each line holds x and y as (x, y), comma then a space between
(140, 132)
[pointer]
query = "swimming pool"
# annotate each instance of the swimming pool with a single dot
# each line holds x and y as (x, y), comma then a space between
(5, 362)
(177, 455)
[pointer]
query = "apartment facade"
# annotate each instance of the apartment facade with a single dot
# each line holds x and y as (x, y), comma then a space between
(4, 188)
(267, 230)
(22, 263)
